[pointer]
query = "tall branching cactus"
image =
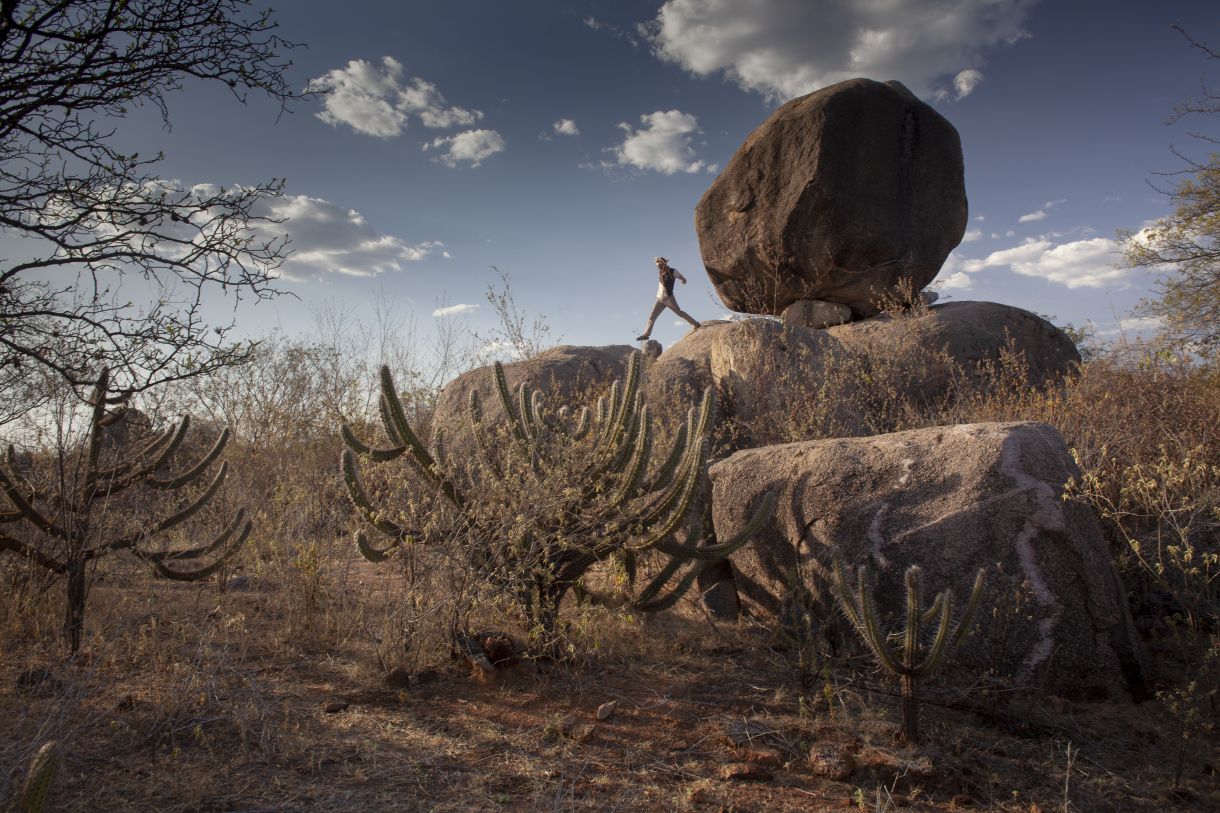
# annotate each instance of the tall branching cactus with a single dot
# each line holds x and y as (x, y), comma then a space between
(64, 527)
(918, 658)
(605, 495)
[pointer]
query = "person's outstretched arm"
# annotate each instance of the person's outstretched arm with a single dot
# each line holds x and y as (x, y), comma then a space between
(678, 274)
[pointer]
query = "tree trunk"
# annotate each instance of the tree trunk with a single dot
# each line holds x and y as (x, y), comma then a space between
(74, 621)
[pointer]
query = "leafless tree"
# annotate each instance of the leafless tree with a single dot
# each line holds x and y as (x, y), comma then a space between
(116, 260)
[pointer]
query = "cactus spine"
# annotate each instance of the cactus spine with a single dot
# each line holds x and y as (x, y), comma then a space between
(615, 504)
(916, 660)
(64, 525)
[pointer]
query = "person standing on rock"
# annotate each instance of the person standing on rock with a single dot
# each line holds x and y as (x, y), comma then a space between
(665, 297)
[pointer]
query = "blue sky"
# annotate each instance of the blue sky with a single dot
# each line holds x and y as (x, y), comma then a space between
(567, 143)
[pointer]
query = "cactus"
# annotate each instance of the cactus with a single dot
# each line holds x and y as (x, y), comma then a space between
(916, 660)
(34, 793)
(64, 533)
(596, 466)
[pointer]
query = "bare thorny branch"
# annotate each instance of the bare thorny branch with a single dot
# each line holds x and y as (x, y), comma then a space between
(99, 218)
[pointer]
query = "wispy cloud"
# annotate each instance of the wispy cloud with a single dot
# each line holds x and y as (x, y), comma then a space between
(454, 310)
(471, 147)
(662, 144)
(785, 48)
(1032, 217)
(971, 235)
(1080, 264)
(328, 239)
(374, 100)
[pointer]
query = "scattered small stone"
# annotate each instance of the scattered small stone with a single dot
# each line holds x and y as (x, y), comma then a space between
(582, 731)
(652, 349)
(745, 772)
(606, 710)
(831, 760)
(335, 706)
(398, 678)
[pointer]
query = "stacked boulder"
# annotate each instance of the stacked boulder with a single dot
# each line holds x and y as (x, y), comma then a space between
(827, 225)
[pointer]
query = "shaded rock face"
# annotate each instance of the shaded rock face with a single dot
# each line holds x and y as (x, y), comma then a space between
(756, 366)
(925, 348)
(952, 500)
(561, 374)
(837, 196)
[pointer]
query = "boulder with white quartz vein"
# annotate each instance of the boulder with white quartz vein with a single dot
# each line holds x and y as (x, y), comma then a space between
(951, 499)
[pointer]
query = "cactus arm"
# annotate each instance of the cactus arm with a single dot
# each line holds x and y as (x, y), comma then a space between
(638, 461)
(847, 601)
(359, 447)
(37, 788)
(976, 594)
(671, 598)
(398, 421)
(664, 474)
(506, 401)
(941, 642)
(372, 553)
(724, 549)
(28, 512)
(359, 498)
(239, 520)
(910, 632)
(674, 508)
(525, 408)
(658, 582)
(582, 425)
(98, 400)
(193, 473)
(202, 500)
(383, 409)
(606, 411)
(32, 553)
(153, 447)
(872, 632)
(206, 570)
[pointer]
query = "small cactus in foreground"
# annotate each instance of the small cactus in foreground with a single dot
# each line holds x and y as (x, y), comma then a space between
(916, 660)
(591, 493)
(34, 793)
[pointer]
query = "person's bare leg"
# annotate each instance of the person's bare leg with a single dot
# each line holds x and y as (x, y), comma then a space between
(652, 320)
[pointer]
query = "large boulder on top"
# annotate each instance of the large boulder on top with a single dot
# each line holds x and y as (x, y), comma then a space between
(927, 352)
(838, 196)
(951, 499)
(562, 374)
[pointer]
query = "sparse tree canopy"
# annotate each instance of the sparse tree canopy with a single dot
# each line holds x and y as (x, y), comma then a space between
(119, 259)
(1187, 243)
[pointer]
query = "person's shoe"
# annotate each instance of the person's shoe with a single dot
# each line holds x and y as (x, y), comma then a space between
(643, 338)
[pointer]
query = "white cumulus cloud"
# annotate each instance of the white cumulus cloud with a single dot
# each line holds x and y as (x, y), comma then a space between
(786, 48)
(662, 144)
(374, 100)
(971, 235)
(966, 81)
(454, 310)
(1032, 217)
(961, 281)
(469, 147)
(566, 127)
(1080, 264)
(329, 239)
